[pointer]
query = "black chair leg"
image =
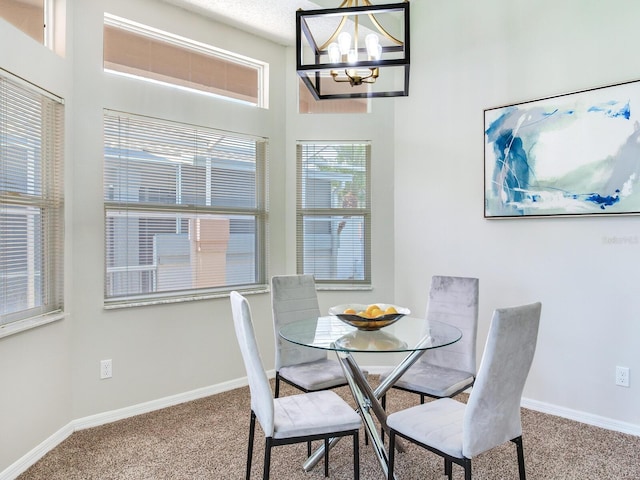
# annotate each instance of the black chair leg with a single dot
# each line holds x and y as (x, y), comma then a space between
(252, 431)
(467, 468)
(267, 458)
(326, 457)
(356, 456)
(277, 392)
(448, 468)
(392, 454)
(520, 450)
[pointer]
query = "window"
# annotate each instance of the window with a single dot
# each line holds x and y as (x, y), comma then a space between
(333, 212)
(308, 104)
(27, 15)
(185, 209)
(31, 209)
(146, 53)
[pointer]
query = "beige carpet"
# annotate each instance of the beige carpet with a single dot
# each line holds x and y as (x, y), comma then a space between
(207, 439)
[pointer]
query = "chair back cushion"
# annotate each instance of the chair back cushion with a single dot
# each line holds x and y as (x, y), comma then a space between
(293, 297)
(492, 416)
(454, 300)
(261, 395)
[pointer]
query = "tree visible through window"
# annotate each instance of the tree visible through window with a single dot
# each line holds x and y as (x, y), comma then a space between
(333, 212)
(184, 209)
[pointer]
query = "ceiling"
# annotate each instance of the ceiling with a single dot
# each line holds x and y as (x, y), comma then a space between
(272, 19)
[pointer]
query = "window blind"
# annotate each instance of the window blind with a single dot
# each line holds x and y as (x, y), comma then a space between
(333, 225)
(31, 203)
(185, 209)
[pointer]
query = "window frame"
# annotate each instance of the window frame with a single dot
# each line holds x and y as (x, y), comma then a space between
(193, 46)
(156, 208)
(303, 212)
(43, 191)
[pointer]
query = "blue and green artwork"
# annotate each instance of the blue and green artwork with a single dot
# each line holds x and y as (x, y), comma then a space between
(574, 154)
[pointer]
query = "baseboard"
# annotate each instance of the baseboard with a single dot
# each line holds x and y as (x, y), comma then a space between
(22, 464)
(582, 417)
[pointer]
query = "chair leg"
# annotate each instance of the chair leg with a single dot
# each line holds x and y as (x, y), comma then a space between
(448, 468)
(267, 458)
(392, 454)
(277, 392)
(326, 457)
(252, 431)
(356, 456)
(466, 463)
(520, 450)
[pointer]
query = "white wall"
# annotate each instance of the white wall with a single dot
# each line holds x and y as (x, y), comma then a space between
(35, 373)
(428, 199)
(468, 56)
(49, 376)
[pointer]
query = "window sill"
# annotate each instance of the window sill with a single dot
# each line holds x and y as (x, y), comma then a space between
(29, 323)
(337, 288)
(142, 302)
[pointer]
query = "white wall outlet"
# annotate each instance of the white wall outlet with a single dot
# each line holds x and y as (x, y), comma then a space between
(622, 376)
(106, 369)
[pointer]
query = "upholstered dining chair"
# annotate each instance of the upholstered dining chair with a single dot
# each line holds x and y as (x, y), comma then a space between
(292, 419)
(491, 417)
(294, 297)
(446, 371)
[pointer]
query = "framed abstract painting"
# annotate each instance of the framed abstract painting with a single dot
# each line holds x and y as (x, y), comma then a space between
(574, 154)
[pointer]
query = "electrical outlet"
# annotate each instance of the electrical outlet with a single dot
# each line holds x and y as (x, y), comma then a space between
(622, 376)
(106, 369)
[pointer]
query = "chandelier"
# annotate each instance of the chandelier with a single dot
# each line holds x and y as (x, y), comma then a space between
(357, 50)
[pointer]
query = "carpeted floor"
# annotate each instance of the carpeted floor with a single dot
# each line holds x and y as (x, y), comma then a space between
(207, 439)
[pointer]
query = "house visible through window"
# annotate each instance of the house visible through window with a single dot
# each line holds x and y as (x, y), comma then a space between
(31, 207)
(150, 54)
(185, 209)
(333, 212)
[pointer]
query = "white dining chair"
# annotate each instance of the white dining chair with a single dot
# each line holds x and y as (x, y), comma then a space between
(294, 297)
(292, 419)
(459, 432)
(446, 371)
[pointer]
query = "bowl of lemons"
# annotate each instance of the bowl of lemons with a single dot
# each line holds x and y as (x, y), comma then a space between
(369, 317)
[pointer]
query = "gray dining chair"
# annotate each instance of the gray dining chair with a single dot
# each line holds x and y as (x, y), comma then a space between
(294, 297)
(446, 371)
(292, 419)
(459, 432)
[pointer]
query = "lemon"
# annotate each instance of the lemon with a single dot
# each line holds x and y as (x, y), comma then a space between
(390, 311)
(350, 311)
(376, 312)
(364, 314)
(371, 308)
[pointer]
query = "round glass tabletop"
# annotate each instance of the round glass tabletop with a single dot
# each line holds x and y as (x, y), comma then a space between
(406, 335)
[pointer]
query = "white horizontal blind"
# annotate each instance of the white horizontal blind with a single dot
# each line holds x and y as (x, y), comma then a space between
(185, 209)
(333, 222)
(31, 205)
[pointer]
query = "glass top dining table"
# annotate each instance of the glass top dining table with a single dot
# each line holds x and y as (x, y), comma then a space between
(409, 335)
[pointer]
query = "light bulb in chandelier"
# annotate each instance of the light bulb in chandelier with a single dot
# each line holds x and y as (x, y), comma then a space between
(374, 49)
(344, 42)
